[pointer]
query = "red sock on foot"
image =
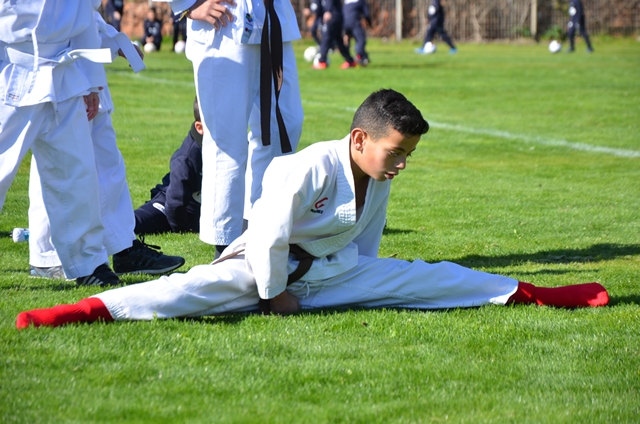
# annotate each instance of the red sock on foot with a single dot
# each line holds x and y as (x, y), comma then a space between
(87, 310)
(574, 296)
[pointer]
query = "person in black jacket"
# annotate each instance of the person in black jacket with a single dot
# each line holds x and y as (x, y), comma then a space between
(152, 29)
(175, 203)
(354, 10)
(435, 13)
(576, 12)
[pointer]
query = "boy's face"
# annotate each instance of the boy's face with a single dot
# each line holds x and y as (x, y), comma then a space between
(384, 158)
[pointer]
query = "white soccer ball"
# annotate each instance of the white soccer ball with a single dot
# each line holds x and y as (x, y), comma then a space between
(310, 53)
(179, 46)
(555, 46)
(149, 48)
(429, 48)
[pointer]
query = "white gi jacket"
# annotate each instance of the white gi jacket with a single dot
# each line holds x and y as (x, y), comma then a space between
(308, 199)
(34, 37)
(247, 24)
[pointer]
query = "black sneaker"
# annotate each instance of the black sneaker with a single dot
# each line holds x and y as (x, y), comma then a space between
(102, 276)
(142, 258)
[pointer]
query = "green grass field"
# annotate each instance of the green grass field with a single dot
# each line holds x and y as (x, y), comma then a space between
(531, 169)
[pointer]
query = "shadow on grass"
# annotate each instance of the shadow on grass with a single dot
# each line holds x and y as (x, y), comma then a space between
(624, 300)
(596, 253)
(390, 231)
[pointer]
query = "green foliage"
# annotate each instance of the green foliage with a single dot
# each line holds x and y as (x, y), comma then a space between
(528, 171)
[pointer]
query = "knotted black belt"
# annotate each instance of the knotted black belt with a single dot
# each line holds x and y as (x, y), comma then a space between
(271, 58)
(305, 259)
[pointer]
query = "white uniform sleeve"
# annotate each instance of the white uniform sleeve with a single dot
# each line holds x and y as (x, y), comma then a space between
(285, 194)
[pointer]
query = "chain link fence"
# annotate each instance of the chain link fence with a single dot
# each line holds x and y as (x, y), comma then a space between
(481, 20)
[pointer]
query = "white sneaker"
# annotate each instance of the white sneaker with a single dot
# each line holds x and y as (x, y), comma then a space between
(20, 235)
(53, 272)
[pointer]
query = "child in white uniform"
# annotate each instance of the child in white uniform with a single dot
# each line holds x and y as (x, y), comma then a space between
(312, 242)
(44, 84)
(224, 44)
(129, 254)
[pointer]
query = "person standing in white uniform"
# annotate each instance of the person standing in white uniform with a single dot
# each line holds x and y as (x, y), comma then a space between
(129, 254)
(312, 242)
(46, 77)
(228, 44)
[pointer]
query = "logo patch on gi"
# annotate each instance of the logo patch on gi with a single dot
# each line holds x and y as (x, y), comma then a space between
(319, 204)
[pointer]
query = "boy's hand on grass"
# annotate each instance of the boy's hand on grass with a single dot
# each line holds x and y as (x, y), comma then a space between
(284, 304)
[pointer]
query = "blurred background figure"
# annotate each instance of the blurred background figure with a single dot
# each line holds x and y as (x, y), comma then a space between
(576, 14)
(435, 14)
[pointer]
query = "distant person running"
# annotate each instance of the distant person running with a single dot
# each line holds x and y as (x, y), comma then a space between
(576, 13)
(435, 13)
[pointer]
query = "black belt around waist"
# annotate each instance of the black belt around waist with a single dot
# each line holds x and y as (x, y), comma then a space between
(305, 259)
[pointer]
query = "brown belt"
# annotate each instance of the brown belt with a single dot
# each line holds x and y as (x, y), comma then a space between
(271, 59)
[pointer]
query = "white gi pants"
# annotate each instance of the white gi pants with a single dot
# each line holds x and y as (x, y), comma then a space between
(227, 78)
(69, 180)
(115, 201)
(376, 282)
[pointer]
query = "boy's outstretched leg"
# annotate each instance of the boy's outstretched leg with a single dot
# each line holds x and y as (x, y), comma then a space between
(87, 310)
(575, 296)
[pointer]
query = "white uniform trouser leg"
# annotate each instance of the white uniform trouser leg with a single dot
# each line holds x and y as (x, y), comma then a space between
(68, 176)
(41, 251)
(227, 77)
(291, 108)
(115, 202)
(230, 287)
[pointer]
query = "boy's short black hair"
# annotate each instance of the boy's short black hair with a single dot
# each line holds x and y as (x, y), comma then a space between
(388, 108)
(196, 110)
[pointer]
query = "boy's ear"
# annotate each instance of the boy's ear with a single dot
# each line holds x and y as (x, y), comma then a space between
(199, 127)
(358, 137)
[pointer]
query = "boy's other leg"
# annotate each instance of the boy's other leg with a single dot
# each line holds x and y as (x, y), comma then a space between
(205, 290)
(573, 296)
(87, 310)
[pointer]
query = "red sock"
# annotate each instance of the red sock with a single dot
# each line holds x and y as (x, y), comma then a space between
(575, 296)
(87, 310)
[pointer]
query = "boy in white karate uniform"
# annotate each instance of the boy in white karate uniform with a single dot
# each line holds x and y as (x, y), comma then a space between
(312, 242)
(129, 254)
(46, 76)
(245, 76)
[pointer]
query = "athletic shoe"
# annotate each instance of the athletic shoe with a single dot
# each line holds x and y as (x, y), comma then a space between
(589, 49)
(142, 258)
(570, 50)
(453, 51)
(20, 235)
(362, 61)
(347, 65)
(53, 272)
(320, 65)
(102, 276)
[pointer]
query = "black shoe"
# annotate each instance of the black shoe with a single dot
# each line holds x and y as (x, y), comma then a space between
(142, 258)
(102, 276)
